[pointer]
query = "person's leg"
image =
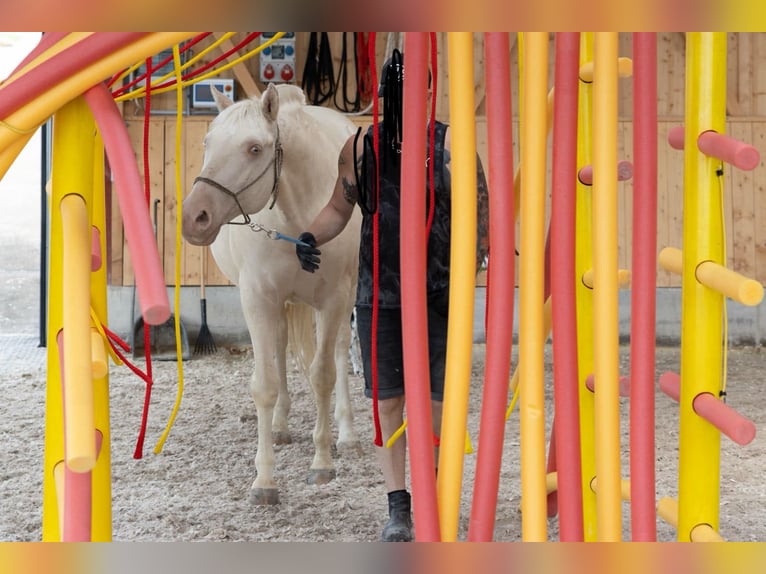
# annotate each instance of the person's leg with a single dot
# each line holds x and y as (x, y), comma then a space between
(438, 309)
(436, 417)
(392, 461)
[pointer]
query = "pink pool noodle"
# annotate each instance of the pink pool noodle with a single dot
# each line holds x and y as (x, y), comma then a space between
(624, 172)
(65, 64)
(565, 439)
(500, 287)
(643, 292)
(623, 381)
(739, 154)
(150, 281)
(95, 249)
(737, 427)
(413, 266)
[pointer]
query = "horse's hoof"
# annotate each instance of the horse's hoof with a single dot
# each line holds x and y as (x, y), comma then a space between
(350, 447)
(264, 496)
(282, 437)
(318, 476)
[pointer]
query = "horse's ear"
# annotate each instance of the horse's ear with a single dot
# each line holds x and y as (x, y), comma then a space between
(270, 102)
(221, 101)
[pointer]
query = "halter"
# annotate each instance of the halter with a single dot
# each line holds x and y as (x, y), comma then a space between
(276, 161)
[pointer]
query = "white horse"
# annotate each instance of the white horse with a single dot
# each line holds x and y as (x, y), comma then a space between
(275, 158)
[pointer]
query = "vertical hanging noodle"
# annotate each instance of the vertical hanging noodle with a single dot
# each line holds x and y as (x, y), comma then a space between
(501, 278)
(78, 382)
(563, 189)
(702, 307)
(462, 281)
(531, 337)
(413, 265)
(605, 288)
(643, 293)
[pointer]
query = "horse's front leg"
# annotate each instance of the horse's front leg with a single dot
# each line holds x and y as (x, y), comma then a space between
(267, 330)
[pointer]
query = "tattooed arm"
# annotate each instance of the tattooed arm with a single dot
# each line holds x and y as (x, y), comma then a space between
(334, 216)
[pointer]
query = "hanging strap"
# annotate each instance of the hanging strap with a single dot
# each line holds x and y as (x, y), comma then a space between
(318, 73)
(351, 103)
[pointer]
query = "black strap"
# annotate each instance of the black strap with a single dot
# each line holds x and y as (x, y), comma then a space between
(318, 73)
(348, 105)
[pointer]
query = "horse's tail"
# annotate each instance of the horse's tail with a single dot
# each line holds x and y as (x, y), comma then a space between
(301, 338)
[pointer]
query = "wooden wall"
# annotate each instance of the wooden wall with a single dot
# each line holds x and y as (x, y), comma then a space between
(744, 192)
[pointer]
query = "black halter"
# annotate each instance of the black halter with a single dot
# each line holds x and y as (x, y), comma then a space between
(276, 161)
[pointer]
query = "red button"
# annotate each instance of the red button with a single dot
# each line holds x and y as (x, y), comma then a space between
(287, 73)
(268, 72)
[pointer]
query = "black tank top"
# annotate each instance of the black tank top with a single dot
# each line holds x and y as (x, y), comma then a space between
(438, 254)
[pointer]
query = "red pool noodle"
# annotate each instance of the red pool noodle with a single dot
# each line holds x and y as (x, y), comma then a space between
(739, 154)
(624, 172)
(501, 277)
(139, 233)
(414, 304)
(676, 136)
(564, 319)
(723, 417)
(643, 292)
(65, 64)
(47, 40)
(737, 427)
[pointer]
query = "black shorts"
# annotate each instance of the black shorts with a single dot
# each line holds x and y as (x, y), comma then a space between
(390, 362)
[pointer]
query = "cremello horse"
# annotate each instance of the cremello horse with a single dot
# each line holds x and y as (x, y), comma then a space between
(275, 159)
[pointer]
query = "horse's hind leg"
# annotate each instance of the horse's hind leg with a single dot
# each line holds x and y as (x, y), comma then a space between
(348, 440)
(280, 430)
(322, 375)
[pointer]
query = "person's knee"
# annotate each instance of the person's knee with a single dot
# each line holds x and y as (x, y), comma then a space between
(391, 407)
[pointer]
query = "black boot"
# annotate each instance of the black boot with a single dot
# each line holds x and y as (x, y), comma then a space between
(399, 526)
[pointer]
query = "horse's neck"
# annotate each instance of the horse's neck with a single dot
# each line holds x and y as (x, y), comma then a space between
(306, 182)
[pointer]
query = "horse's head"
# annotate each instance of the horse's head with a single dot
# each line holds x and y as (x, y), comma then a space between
(241, 166)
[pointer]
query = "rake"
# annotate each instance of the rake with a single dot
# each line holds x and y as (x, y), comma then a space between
(205, 344)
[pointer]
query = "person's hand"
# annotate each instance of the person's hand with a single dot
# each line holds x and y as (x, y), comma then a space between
(308, 254)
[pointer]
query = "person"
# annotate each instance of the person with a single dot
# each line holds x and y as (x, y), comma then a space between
(355, 185)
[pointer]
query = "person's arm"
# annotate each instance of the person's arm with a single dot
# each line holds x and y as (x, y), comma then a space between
(334, 216)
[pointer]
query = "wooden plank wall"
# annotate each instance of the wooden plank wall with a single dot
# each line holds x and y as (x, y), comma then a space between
(744, 192)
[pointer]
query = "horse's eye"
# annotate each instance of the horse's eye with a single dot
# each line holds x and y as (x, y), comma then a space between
(255, 149)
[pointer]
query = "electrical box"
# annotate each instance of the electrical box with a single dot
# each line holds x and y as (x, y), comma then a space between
(202, 94)
(278, 60)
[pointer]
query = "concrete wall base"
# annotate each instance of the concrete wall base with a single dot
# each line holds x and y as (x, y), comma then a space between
(747, 325)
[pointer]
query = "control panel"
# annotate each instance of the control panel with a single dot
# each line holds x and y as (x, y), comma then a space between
(278, 59)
